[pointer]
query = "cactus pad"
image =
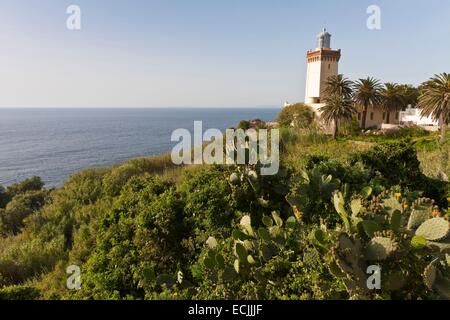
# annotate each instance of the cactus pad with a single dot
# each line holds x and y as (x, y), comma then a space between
(311, 258)
(429, 275)
(211, 242)
(419, 216)
(391, 205)
(433, 229)
(380, 248)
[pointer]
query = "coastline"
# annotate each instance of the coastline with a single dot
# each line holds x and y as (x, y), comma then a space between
(54, 144)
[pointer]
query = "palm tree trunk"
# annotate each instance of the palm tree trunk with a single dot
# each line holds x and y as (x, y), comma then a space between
(363, 125)
(336, 129)
(444, 148)
(443, 131)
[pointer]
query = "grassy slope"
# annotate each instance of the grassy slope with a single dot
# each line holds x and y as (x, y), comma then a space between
(298, 145)
(38, 246)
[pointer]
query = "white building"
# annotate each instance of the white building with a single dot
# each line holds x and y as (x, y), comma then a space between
(412, 116)
(323, 62)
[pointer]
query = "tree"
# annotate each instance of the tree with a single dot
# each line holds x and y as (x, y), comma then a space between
(299, 115)
(434, 100)
(337, 108)
(410, 94)
(391, 99)
(367, 94)
(338, 85)
(338, 105)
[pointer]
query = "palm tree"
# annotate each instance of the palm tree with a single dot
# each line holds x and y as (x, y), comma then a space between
(392, 99)
(367, 94)
(338, 85)
(410, 94)
(337, 108)
(434, 100)
(338, 104)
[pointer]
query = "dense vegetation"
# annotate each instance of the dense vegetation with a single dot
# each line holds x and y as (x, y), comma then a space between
(336, 210)
(149, 230)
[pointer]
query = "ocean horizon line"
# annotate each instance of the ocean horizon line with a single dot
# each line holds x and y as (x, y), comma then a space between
(149, 107)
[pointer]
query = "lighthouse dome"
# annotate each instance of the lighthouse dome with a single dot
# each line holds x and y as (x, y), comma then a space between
(324, 40)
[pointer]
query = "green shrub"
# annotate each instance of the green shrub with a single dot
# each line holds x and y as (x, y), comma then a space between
(396, 163)
(4, 197)
(299, 115)
(114, 181)
(209, 200)
(19, 293)
(350, 128)
(411, 132)
(20, 207)
(31, 184)
(244, 124)
(22, 258)
(143, 231)
(84, 187)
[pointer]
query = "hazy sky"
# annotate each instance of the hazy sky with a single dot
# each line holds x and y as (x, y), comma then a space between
(207, 53)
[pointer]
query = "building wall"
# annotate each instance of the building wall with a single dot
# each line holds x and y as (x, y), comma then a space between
(322, 64)
(329, 68)
(376, 117)
(313, 81)
(414, 116)
(315, 107)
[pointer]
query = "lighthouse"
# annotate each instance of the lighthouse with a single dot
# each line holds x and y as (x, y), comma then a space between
(323, 62)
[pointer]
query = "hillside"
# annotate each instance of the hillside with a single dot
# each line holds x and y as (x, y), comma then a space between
(147, 229)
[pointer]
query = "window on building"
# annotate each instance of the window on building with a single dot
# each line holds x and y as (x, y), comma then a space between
(384, 115)
(397, 115)
(359, 115)
(329, 66)
(371, 116)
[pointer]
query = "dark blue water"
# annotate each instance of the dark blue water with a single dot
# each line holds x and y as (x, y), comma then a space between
(55, 143)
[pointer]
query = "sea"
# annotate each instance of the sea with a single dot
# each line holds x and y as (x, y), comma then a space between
(58, 142)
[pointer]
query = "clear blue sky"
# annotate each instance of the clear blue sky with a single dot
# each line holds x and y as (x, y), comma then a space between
(207, 53)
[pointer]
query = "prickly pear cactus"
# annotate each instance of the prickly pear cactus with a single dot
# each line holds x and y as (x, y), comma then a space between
(392, 204)
(380, 248)
(429, 275)
(434, 278)
(434, 229)
(346, 256)
(393, 234)
(422, 210)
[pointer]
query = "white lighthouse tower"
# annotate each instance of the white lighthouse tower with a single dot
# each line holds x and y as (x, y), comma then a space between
(323, 62)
